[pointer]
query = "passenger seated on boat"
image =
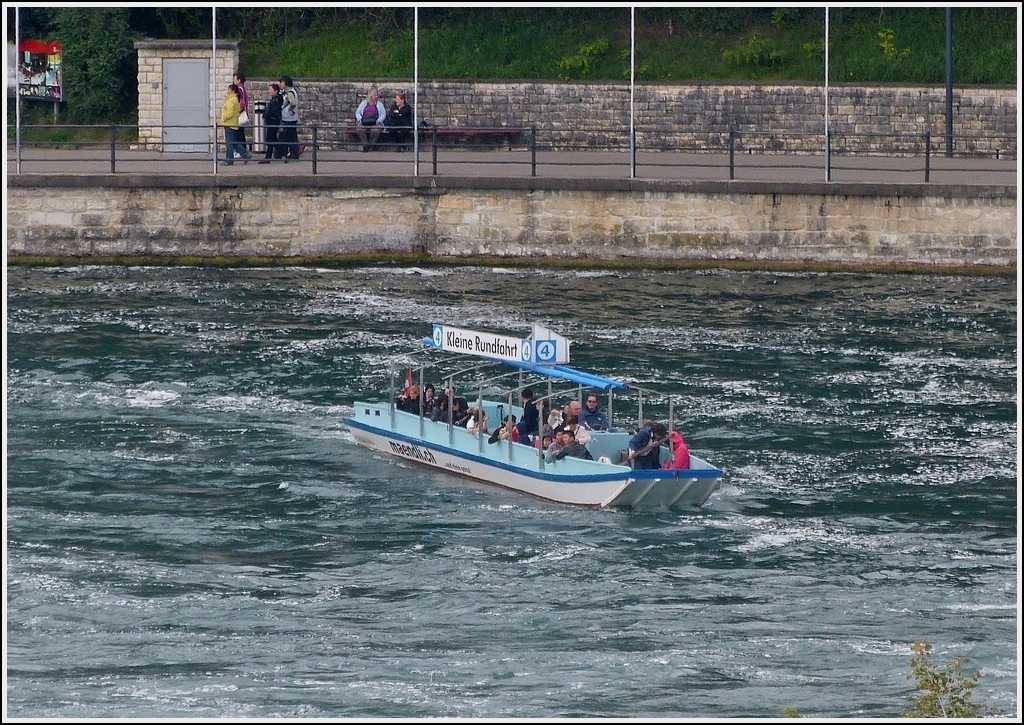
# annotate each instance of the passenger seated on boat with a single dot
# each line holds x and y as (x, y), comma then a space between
(457, 406)
(566, 447)
(680, 457)
(429, 404)
(409, 401)
(477, 420)
(645, 446)
(545, 438)
(571, 422)
(592, 417)
(501, 433)
(529, 424)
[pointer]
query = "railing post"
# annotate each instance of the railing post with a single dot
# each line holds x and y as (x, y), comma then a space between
(433, 148)
(927, 156)
(113, 146)
(732, 154)
(314, 148)
(632, 153)
(533, 151)
(828, 156)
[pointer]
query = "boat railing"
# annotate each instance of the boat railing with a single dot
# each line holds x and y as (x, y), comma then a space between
(548, 387)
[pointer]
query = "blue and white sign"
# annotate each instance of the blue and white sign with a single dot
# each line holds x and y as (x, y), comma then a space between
(546, 351)
(549, 348)
(543, 347)
(471, 342)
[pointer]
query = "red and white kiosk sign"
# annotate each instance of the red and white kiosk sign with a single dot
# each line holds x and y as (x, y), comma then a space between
(40, 73)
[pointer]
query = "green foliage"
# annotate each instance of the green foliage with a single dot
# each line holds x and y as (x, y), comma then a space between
(782, 17)
(99, 64)
(680, 43)
(791, 712)
(887, 42)
(758, 52)
(945, 692)
(579, 65)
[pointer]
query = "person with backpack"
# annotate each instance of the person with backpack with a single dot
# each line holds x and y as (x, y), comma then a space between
(289, 136)
(370, 117)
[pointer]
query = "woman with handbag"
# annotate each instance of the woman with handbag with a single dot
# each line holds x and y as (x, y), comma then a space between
(229, 114)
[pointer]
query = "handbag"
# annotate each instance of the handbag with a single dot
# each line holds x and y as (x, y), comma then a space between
(243, 118)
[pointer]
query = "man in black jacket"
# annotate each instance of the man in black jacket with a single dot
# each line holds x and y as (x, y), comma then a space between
(272, 123)
(567, 446)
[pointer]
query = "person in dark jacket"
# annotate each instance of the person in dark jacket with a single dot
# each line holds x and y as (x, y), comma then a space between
(399, 122)
(529, 424)
(567, 446)
(645, 446)
(272, 123)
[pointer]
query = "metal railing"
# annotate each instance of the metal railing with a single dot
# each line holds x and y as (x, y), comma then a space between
(713, 154)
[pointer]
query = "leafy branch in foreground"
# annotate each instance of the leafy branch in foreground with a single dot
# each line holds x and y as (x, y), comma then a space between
(946, 692)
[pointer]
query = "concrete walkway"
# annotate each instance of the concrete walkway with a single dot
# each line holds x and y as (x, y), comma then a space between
(498, 164)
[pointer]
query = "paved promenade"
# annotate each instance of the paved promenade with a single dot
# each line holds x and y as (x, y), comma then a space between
(498, 164)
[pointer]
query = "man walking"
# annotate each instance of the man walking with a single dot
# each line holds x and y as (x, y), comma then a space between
(289, 137)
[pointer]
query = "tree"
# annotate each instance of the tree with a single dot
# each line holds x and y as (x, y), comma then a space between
(100, 67)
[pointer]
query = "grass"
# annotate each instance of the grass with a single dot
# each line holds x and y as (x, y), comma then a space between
(707, 45)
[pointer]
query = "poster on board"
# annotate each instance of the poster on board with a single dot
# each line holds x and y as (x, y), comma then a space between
(40, 75)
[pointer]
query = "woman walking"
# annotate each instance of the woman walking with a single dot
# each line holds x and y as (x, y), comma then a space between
(229, 113)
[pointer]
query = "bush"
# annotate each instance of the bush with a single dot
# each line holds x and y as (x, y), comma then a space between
(100, 66)
(947, 692)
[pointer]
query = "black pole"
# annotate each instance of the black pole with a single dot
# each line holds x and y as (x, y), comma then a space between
(314, 144)
(927, 156)
(433, 149)
(949, 82)
(732, 154)
(533, 155)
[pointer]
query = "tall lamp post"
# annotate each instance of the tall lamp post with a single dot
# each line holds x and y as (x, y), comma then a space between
(828, 145)
(632, 91)
(949, 82)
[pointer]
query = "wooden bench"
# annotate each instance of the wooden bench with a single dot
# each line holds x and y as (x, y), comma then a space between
(452, 136)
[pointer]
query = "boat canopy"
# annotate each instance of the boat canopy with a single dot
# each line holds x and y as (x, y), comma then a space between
(561, 372)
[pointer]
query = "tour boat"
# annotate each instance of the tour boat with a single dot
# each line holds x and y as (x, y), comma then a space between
(504, 366)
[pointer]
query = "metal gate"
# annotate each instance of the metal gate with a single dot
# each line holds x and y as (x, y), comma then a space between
(186, 105)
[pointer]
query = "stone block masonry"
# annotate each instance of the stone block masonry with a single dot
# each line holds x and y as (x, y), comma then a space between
(784, 118)
(778, 118)
(620, 221)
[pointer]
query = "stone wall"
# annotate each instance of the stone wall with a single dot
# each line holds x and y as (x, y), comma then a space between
(767, 117)
(667, 116)
(700, 222)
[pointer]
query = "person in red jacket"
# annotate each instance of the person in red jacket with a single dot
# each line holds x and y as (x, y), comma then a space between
(680, 457)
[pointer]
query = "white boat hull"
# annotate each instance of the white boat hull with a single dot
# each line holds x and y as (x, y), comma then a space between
(520, 468)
